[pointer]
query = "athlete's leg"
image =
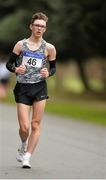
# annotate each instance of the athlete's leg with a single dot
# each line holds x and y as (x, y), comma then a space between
(23, 118)
(38, 110)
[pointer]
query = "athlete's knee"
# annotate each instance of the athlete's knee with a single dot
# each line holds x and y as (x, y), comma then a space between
(35, 125)
(24, 129)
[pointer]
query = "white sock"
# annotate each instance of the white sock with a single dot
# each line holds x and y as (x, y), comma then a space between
(27, 155)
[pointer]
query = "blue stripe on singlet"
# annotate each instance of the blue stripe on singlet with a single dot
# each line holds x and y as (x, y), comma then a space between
(33, 54)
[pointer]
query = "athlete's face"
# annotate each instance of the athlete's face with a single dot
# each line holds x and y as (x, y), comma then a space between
(38, 27)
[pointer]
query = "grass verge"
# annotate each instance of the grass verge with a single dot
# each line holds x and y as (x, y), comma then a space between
(80, 112)
(76, 109)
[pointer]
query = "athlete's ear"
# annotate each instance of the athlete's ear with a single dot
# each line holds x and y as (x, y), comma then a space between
(30, 26)
(45, 29)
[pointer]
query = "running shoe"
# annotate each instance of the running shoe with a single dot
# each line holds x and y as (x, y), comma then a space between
(26, 162)
(20, 153)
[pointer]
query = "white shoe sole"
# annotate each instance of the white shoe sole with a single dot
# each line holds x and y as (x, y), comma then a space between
(26, 164)
(19, 160)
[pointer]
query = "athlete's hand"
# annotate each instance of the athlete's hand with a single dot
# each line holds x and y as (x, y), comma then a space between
(44, 72)
(20, 70)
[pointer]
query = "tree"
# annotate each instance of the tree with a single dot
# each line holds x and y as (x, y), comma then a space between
(15, 17)
(81, 33)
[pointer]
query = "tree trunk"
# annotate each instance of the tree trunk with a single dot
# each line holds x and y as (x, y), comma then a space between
(104, 75)
(59, 78)
(82, 73)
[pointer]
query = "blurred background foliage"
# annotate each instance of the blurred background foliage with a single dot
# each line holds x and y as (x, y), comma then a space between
(78, 30)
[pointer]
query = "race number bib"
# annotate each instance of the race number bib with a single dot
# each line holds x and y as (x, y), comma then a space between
(32, 59)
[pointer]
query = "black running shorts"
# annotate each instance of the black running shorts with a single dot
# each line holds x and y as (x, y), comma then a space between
(28, 93)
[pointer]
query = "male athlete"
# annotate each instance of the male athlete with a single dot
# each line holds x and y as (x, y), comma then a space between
(29, 61)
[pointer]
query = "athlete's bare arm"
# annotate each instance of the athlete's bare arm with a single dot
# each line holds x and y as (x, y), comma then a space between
(51, 54)
(17, 49)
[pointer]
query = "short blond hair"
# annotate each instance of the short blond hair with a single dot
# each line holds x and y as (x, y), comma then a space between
(39, 15)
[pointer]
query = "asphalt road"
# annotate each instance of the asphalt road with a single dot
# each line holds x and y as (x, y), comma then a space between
(67, 149)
